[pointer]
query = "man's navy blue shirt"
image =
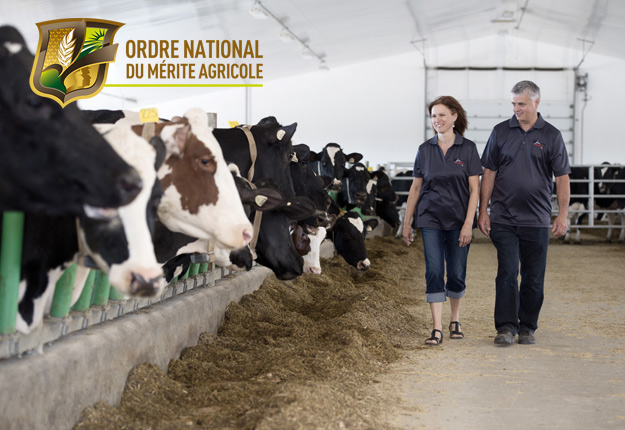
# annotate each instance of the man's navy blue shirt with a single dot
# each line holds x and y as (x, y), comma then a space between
(445, 192)
(525, 163)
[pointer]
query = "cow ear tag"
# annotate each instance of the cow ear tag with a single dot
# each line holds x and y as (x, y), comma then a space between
(260, 200)
(148, 117)
(233, 124)
(280, 134)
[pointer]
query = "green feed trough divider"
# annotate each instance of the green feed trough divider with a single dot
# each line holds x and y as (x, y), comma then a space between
(97, 290)
(10, 263)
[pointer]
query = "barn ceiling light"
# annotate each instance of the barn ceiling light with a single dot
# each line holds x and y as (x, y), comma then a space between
(286, 35)
(257, 10)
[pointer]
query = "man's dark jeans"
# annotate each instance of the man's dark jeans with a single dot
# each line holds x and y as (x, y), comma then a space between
(518, 308)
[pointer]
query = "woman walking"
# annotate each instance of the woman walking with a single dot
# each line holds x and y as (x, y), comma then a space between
(443, 199)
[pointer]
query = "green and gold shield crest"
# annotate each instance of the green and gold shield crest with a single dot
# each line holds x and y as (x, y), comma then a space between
(72, 58)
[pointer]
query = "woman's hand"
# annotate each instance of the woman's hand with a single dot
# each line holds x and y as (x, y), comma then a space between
(407, 235)
(466, 234)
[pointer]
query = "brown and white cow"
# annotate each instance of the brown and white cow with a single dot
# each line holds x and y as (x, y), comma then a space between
(200, 197)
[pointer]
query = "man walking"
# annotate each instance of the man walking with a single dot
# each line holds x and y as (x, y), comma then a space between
(521, 156)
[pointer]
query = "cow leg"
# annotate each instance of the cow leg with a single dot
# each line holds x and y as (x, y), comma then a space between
(578, 221)
(611, 222)
(621, 237)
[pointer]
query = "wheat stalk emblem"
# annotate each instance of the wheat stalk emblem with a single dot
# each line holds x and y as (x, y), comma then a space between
(66, 49)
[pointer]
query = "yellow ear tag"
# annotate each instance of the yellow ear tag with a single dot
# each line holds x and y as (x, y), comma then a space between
(260, 200)
(233, 124)
(148, 115)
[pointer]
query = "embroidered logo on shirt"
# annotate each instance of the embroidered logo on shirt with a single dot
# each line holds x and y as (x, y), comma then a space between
(459, 162)
(538, 144)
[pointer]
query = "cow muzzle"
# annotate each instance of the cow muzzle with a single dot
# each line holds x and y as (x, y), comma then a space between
(142, 287)
(363, 265)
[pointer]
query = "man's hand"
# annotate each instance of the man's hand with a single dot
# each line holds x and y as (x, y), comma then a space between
(560, 226)
(483, 222)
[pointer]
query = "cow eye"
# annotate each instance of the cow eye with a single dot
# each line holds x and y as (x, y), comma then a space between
(207, 163)
(291, 155)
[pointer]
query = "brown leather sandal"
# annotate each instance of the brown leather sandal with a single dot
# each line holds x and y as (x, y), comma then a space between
(434, 338)
(456, 331)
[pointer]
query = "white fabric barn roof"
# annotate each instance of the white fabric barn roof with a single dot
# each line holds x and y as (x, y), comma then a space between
(343, 32)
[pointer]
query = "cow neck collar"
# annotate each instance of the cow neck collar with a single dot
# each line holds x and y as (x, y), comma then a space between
(253, 151)
(258, 215)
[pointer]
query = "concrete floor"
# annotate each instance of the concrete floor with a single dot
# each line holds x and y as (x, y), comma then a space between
(572, 378)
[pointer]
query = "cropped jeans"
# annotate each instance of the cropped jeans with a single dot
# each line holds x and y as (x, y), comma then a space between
(441, 249)
(517, 308)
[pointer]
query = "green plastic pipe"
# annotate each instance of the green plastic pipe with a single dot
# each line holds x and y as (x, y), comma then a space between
(62, 300)
(10, 262)
(116, 295)
(102, 288)
(203, 267)
(194, 269)
(84, 301)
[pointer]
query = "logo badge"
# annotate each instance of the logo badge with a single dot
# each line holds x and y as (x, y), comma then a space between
(72, 58)
(459, 162)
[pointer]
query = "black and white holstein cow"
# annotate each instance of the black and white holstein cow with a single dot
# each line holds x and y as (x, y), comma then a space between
(331, 162)
(200, 197)
(385, 199)
(53, 161)
(604, 190)
(312, 260)
(307, 184)
(275, 152)
(348, 234)
(120, 246)
(354, 189)
(577, 204)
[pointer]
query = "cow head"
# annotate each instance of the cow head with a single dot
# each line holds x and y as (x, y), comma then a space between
(331, 161)
(348, 234)
(301, 241)
(122, 247)
(385, 189)
(312, 263)
(305, 182)
(354, 186)
(275, 247)
(52, 160)
(200, 197)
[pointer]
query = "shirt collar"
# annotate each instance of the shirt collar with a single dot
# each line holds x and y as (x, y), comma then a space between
(540, 123)
(457, 140)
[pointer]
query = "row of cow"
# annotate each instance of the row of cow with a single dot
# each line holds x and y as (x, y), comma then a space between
(139, 201)
(608, 184)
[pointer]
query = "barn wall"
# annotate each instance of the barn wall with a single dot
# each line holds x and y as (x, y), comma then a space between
(377, 107)
(369, 107)
(602, 119)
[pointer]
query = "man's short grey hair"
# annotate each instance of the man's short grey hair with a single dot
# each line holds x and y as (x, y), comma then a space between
(529, 86)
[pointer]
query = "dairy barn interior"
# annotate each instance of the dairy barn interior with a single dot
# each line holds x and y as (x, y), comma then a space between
(338, 344)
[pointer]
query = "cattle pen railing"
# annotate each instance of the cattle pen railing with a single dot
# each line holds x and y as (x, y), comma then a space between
(99, 301)
(593, 211)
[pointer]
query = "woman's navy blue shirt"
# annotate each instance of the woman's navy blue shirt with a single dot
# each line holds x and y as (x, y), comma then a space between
(445, 191)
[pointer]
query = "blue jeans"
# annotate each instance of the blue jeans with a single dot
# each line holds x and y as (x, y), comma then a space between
(440, 247)
(518, 308)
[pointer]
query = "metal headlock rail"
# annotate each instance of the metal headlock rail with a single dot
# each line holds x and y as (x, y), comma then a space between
(591, 209)
(98, 302)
